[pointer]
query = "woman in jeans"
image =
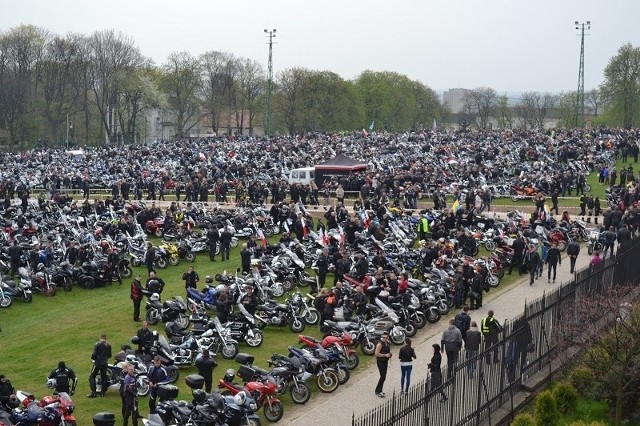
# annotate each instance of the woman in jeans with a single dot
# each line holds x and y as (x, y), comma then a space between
(407, 355)
(472, 346)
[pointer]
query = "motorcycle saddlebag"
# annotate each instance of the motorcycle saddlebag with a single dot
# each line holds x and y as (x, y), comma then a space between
(246, 373)
(104, 419)
(167, 392)
(245, 358)
(194, 381)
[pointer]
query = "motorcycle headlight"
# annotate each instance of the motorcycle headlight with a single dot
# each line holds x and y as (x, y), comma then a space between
(253, 406)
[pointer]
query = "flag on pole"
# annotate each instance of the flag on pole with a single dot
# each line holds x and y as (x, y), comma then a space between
(371, 126)
(262, 238)
(342, 239)
(321, 237)
(455, 206)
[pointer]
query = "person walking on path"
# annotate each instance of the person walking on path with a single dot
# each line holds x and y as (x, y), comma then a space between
(472, 347)
(383, 354)
(100, 356)
(553, 260)
(136, 297)
(436, 372)
(451, 342)
(518, 252)
(609, 236)
(462, 321)
(531, 261)
(573, 250)
(406, 357)
(490, 329)
(477, 286)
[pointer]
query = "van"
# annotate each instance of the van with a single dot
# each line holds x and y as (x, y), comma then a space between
(303, 175)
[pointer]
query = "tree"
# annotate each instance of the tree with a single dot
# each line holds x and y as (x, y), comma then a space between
(621, 88)
(250, 84)
(533, 109)
(504, 115)
(218, 84)
(288, 99)
(566, 109)
(479, 104)
(593, 100)
(182, 84)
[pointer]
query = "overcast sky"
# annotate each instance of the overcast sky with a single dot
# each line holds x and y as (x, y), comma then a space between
(509, 45)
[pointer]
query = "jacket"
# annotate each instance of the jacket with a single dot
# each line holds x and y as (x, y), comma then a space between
(101, 353)
(407, 354)
(490, 326)
(553, 256)
(573, 249)
(472, 342)
(451, 339)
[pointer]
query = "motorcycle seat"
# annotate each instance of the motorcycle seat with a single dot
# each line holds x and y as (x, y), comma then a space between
(155, 304)
(184, 411)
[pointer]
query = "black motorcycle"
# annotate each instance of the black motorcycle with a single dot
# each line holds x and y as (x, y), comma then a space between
(173, 309)
(242, 327)
(279, 314)
(62, 276)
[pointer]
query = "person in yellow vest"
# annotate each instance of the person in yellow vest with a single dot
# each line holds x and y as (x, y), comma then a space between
(490, 329)
(423, 228)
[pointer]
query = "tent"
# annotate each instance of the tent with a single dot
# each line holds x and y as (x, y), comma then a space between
(340, 165)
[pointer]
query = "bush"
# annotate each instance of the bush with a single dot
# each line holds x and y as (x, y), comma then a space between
(566, 397)
(547, 413)
(581, 377)
(583, 423)
(523, 419)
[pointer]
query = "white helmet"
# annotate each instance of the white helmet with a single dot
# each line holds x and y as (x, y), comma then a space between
(51, 383)
(240, 398)
(154, 297)
(130, 358)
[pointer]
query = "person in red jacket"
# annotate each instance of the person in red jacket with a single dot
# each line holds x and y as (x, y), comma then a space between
(403, 283)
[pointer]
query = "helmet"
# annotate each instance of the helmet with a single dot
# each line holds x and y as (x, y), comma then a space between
(199, 396)
(130, 358)
(318, 252)
(40, 266)
(104, 244)
(135, 340)
(220, 288)
(240, 398)
(229, 375)
(208, 279)
(154, 297)
(441, 240)
(51, 383)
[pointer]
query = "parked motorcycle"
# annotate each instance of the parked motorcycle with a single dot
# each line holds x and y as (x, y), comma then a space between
(173, 309)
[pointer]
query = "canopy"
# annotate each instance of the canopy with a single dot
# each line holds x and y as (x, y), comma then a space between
(341, 163)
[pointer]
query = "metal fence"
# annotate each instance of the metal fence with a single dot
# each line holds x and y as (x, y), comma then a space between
(476, 388)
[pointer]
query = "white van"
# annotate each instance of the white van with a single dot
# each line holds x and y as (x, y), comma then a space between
(303, 175)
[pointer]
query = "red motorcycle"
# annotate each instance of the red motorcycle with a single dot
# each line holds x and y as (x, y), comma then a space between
(155, 227)
(342, 344)
(263, 392)
(64, 406)
(366, 281)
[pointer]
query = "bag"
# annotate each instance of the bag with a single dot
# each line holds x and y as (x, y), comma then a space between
(461, 322)
(476, 295)
(531, 347)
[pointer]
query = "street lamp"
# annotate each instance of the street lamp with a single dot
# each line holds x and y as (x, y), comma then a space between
(269, 105)
(69, 128)
(580, 94)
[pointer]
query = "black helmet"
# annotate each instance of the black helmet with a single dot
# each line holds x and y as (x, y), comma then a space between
(135, 340)
(208, 279)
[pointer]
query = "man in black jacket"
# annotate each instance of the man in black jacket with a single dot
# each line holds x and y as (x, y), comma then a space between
(553, 260)
(225, 243)
(573, 250)
(15, 251)
(518, 250)
(145, 339)
(323, 268)
(609, 236)
(100, 356)
(205, 365)
(149, 257)
(531, 261)
(191, 279)
(212, 239)
(65, 378)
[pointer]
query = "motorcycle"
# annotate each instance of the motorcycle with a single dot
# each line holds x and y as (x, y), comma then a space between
(21, 289)
(41, 280)
(115, 378)
(6, 295)
(596, 242)
(279, 314)
(173, 309)
(155, 227)
(242, 328)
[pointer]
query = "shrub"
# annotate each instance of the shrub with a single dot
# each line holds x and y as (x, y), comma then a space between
(523, 419)
(547, 413)
(581, 377)
(583, 423)
(566, 397)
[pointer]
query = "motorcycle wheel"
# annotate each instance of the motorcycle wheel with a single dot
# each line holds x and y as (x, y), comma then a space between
(312, 317)
(67, 284)
(174, 260)
(343, 374)
(161, 263)
(368, 348)
(182, 321)
(500, 273)
(126, 272)
(234, 242)
(590, 249)
(275, 229)
(217, 248)
(490, 245)
(256, 340)
(158, 232)
(584, 237)
(433, 316)
(301, 393)
(273, 412)
(410, 329)
(397, 337)
(514, 198)
(190, 256)
(173, 375)
(587, 187)
(493, 280)
(152, 316)
(142, 386)
(28, 298)
(135, 262)
(288, 285)
(352, 361)
(50, 291)
(562, 245)
(250, 422)
(327, 381)
(443, 307)
(277, 289)
(69, 423)
(268, 232)
(296, 325)
(229, 350)
(419, 320)
(88, 282)
(5, 301)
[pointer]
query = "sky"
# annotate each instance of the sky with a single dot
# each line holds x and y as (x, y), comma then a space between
(507, 45)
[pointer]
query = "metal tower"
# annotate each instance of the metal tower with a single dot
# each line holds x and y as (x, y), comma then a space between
(579, 120)
(268, 123)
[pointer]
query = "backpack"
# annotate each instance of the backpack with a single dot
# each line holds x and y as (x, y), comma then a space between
(462, 322)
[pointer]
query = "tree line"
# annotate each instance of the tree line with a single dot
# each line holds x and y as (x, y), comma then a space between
(101, 87)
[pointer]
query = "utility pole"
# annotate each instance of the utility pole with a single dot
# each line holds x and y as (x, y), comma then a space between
(579, 120)
(268, 123)
(67, 139)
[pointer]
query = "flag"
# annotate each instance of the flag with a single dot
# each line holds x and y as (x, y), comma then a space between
(342, 242)
(286, 226)
(455, 206)
(371, 126)
(434, 126)
(262, 238)
(321, 237)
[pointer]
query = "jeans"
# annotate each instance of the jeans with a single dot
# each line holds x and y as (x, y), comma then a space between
(471, 361)
(552, 266)
(405, 377)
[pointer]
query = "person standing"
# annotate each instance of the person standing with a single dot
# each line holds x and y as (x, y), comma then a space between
(573, 250)
(596, 260)
(100, 356)
(436, 372)
(249, 300)
(462, 321)
(205, 365)
(225, 244)
(212, 240)
(191, 279)
(136, 297)
(554, 259)
(554, 202)
(245, 258)
(323, 268)
(130, 397)
(15, 251)
(609, 236)
(472, 347)
(490, 329)
(157, 375)
(145, 339)
(65, 379)
(532, 261)
(382, 354)
(149, 257)
(406, 357)
(518, 251)
(477, 286)
(451, 342)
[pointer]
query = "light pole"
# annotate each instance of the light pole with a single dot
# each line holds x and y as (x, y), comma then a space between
(69, 127)
(579, 121)
(269, 104)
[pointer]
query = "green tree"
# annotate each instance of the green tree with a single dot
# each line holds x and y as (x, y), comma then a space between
(219, 71)
(621, 87)
(181, 84)
(503, 113)
(546, 411)
(479, 104)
